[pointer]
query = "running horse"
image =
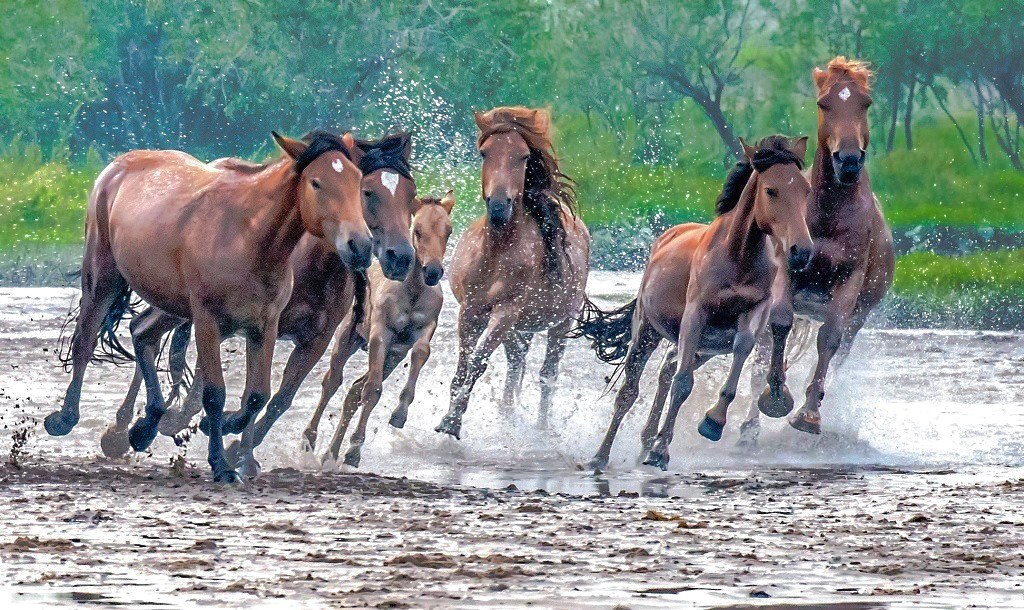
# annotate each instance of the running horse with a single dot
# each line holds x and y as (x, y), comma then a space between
(852, 265)
(522, 267)
(210, 246)
(325, 287)
(707, 289)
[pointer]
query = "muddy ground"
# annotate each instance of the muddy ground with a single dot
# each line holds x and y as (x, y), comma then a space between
(911, 498)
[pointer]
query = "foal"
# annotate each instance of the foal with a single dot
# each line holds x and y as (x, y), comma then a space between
(211, 246)
(707, 288)
(402, 318)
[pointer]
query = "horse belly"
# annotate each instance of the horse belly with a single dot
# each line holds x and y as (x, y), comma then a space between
(716, 340)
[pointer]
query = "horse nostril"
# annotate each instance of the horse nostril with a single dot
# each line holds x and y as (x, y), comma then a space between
(863, 155)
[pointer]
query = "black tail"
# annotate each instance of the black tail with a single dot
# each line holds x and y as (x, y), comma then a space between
(610, 332)
(359, 304)
(110, 348)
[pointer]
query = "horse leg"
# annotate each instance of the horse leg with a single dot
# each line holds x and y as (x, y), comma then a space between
(549, 370)
(101, 285)
(348, 410)
(208, 339)
(114, 441)
(177, 361)
(177, 419)
(418, 357)
(381, 368)
(473, 365)
(743, 343)
(750, 429)
(838, 317)
(664, 383)
(346, 344)
(516, 347)
(645, 341)
(147, 330)
(690, 331)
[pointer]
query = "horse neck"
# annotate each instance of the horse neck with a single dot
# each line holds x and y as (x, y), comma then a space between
(277, 222)
(745, 240)
(826, 193)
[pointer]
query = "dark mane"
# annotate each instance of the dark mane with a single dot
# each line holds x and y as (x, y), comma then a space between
(389, 152)
(547, 189)
(772, 150)
(320, 142)
(430, 200)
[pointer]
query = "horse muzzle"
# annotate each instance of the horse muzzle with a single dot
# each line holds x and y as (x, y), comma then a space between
(499, 211)
(432, 273)
(395, 261)
(848, 165)
(799, 258)
(357, 252)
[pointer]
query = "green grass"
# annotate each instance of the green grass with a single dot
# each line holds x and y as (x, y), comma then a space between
(930, 277)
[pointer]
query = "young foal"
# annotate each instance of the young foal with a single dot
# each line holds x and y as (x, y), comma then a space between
(211, 246)
(402, 316)
(851, 268)
(707, 289)
(521, 268)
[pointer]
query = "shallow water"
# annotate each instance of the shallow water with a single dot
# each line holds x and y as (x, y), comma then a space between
(911, 495)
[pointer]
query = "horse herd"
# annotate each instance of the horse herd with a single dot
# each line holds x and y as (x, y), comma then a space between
(285, 249)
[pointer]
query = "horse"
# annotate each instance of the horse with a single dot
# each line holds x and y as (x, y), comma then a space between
(522, 267)
(706, 289)
(401, 318)
(325, 289)
(851, 268)
(210, 246)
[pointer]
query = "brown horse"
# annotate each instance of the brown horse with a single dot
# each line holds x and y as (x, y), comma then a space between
(707, 289)
(522, 267)
(851, 268)
(324, 285)
(401, 317)
(212, 246)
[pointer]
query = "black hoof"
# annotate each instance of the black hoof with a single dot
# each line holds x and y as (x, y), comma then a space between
(115, 443)
(398, 419)
(449, 425)
(227, 476)
(141, 435)
(249, 467)
(173, 422)
(710, 429)
(656, 458)
(775, 404)
(352, 457)
(598, 464)
(57, 425)
(805, 423)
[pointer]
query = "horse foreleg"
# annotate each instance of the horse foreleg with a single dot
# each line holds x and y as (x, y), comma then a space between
(549, 370)
(348, 410)
(516, 348)
(645, 341)
(668, 366)
(750, 325)
(418, 356)
(690, 330)
(259, 358)
(114, 441)
(346, 344)
(382, 363)
(177, 419)
(148, 328)
(208, 338)
(750, 429)
(473, 365)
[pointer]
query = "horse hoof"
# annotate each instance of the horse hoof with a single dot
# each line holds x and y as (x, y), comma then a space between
(115, 443)
(656, 458)
(750, 431)
(227, 476)
(58, 425)
(141, 435)
(710, 429)
(775, 404)
(173, 422)
(398, 419)
(450, 425)
(806, 422)
(598, 464)
(308, 441)
(249, 467)
(352, 457)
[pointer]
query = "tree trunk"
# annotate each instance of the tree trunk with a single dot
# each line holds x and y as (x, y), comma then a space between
(908, 116)
(979, 108)
(890, 141)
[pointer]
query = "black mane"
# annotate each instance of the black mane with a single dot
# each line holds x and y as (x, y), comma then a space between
(388, 152)
(320, 142)
(772, 150)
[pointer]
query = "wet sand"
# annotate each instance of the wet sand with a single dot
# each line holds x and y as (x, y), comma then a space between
(911, 498)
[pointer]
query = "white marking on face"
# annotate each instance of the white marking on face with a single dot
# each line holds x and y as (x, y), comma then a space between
(389, 180)
(844, 94)
(338, 165)
(791, 180)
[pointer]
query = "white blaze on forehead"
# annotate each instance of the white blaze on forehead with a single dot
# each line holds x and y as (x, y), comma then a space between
(844, 94)
(389, 180)
(338, 165)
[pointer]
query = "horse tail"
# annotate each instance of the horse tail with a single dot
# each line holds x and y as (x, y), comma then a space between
(610, 332)
(801, 336)
(110, 349)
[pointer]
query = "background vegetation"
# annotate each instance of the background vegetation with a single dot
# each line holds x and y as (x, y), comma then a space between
(650, 97)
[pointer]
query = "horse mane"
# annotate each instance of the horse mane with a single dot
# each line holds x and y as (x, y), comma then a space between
(771, 150)
(385, 153)
(430, 200)
(320, 142)
(546, 187)
(841, 69)
(241, 166)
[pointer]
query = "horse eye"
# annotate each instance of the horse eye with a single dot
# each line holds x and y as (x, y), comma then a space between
(526, 158)
(771, 192)
(315, 184)
(822, 105)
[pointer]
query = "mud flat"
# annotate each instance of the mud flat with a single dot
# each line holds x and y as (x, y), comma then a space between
(911, 498)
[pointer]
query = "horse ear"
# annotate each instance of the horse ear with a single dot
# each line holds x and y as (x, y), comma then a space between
(292, 148)
(541, 120)
(799, 146)
(820, 76)
(748, 150)
(354, 150)
(448, 201)
(481, 121)
(406, 146)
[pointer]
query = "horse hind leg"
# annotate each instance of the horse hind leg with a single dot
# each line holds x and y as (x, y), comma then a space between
(147, 330)
(516, 348)
(550, 369)
(114, 441)
(750, 429)
(664, 383)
